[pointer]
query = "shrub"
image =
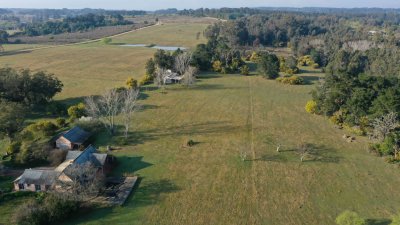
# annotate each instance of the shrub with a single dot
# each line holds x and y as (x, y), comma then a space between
(315, 65)
(106, 40)
(49, 210)
(146, 79)
(254, 57)
(44, 128)
(92, 126)
(61, 122)
(311, 107)
(354, 130)
(13, 148)
(306, 61)
(337, 118)
(132, 83)
(292, 80)
(217, 66)
(56, 108)
(350, 218)
(77, 111)
(396, 220)
(245, 70)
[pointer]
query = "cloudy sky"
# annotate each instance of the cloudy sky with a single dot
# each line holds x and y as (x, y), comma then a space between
(180, 4)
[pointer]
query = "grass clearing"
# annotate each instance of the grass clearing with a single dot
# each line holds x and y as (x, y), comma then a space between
(226, 115)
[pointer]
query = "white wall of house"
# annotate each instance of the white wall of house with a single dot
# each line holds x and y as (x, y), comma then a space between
(63, 144)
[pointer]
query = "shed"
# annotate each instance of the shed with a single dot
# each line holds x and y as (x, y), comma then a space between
(72, 139)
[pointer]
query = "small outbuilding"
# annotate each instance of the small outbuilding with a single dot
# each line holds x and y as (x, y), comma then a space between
(72, 139)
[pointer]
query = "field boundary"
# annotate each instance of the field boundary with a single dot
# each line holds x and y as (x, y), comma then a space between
(85, 42)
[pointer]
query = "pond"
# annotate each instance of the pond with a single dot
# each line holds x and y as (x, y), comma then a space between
(166, 48)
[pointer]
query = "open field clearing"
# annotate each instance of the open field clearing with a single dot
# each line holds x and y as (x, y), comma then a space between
(226, 115)
(102, 66)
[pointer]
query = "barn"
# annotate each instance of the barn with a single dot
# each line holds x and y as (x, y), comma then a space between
(72, 139)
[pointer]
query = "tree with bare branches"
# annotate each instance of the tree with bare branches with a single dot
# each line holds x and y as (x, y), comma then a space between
(189, 77)
(382, 126)
(182, 62)
(305, 150)
(80, 182)
(105, 108)
(160, 76)
(129, 107)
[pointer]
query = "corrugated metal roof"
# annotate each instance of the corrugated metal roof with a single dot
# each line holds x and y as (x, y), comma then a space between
(72, 155)
(39, 177)
(76, 135)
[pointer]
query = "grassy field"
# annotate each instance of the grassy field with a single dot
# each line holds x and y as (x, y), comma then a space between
(225, 115)
(91, 68)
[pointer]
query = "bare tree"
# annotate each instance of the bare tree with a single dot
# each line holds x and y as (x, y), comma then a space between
(243, 155)
(105, 108)
(182, 62)
(189, 77)
(160, 77)
(278, 147)
(305, 150)
(80, 182)
(384, 125)
(129, 107)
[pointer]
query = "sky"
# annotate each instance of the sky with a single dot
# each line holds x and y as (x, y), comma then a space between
(182, 4)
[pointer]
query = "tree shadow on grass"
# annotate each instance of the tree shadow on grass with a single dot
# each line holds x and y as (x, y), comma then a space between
(316, 153)
(143, 194)
(321, 153)
(310, 80)
(140, 137)
(10, 53)
(151, 192)
(379, 221)
(127, 164)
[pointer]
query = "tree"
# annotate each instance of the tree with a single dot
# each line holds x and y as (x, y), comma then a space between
(150, 67)
(268, 65)
(160, 76)
(182, 62)
(384, 125)
(12, 117)
(350, 218)
(163, 59)
(305, 150)
(27, 87)
(3, 39)
(202, 57)
(189, 77)
(84, 181)
(129, 107)
(105, 108)
(77, 111)
(245, 70)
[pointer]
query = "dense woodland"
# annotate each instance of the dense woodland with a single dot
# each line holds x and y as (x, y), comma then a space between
(74, 24)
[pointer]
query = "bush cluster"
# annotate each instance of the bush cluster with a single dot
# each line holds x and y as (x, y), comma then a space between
(292, 80)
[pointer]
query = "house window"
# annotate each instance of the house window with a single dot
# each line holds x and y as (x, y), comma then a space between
(21, 186)
(38, 188)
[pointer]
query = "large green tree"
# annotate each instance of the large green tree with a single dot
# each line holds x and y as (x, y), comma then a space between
(268, 65)
(12, 116)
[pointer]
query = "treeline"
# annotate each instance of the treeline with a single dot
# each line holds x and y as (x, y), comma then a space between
(74, 24)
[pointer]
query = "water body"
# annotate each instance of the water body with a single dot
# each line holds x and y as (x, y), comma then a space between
(166, 48)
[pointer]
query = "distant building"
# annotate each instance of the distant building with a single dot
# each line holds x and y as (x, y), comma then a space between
(172, 77)
(44, 180)
(72, 139)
